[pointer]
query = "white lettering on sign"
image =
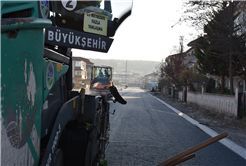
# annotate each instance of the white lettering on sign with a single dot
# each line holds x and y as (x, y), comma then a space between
(94, 43)
(77, 40)
(83, 42)
(50, 35)
(54, 145)
(71, 38)
(49, 160)
(88, 42)
(58, 35)
(56, 139)
(69, 4)
(104, 45)
(64, 37)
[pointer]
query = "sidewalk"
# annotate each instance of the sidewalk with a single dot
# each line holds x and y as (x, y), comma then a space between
(236, 129)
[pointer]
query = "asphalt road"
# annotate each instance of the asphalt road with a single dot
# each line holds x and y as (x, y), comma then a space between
(145, 132)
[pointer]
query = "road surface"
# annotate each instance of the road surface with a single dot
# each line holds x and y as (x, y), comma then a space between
(145, 132)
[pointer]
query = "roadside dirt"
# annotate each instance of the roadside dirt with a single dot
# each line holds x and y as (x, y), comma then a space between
(235, 128)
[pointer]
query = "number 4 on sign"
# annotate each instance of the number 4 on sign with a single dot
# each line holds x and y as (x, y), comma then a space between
(69, 4)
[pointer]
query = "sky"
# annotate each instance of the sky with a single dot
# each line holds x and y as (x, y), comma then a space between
(147, 34)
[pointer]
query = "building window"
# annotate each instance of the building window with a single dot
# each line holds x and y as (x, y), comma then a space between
(77, 72)
(77, 63)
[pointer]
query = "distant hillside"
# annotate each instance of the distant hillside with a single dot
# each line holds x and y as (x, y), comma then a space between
(137, 65)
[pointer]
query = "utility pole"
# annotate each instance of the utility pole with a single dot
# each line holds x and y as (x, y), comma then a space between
(231, 6)
(126, 73)
(181, 40)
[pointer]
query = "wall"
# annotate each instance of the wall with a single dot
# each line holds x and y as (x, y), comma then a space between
(220, 103)
(181, 95)
(226, 104)
(164, 90)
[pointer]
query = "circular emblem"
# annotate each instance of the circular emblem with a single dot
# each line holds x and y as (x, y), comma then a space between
(69, 4)
(44, 8)
(50, 75)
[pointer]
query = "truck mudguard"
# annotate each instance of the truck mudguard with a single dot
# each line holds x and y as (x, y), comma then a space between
(67, 113)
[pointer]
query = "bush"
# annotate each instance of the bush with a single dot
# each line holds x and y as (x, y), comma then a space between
(163, 82)
(210, 85)
(191, 87)
(218, 90)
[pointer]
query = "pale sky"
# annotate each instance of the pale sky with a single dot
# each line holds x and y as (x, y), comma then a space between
(147, 33)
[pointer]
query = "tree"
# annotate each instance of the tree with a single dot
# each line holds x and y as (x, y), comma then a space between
(207, 62)
(199, 13)
(240, 64)
(222, 32)
(174, 50)
(164, 82)
(160, 69)
(192, 76)
(174, 64)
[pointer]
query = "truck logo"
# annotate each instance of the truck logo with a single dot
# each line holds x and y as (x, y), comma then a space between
(50, 75)
(44, 8)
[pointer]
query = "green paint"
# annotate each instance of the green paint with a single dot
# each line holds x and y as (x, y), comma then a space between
(44, 10)
(3, 114)
(21, 5)
(103, 161)
(22, 75)
(88, 124)
(48, 81)
(32, 149)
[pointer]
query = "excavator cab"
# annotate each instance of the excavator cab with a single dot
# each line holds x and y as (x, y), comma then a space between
(101, 79)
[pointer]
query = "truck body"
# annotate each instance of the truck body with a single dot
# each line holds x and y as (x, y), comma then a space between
(44, 122)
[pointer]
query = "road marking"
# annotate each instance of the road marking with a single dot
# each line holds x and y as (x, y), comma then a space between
(226, 142)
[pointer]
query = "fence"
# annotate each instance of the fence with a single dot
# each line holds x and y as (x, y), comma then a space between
(176, 94)
(232, 105)
(217, 102)
(241, 105)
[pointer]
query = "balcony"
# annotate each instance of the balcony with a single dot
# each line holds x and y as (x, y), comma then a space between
(77, 68)
(78, 76)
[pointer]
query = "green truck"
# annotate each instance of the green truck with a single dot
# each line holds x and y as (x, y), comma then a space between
(43, 121)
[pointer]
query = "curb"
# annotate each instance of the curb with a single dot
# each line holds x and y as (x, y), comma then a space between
(226, 142)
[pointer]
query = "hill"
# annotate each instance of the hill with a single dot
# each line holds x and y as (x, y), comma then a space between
(144, 67)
